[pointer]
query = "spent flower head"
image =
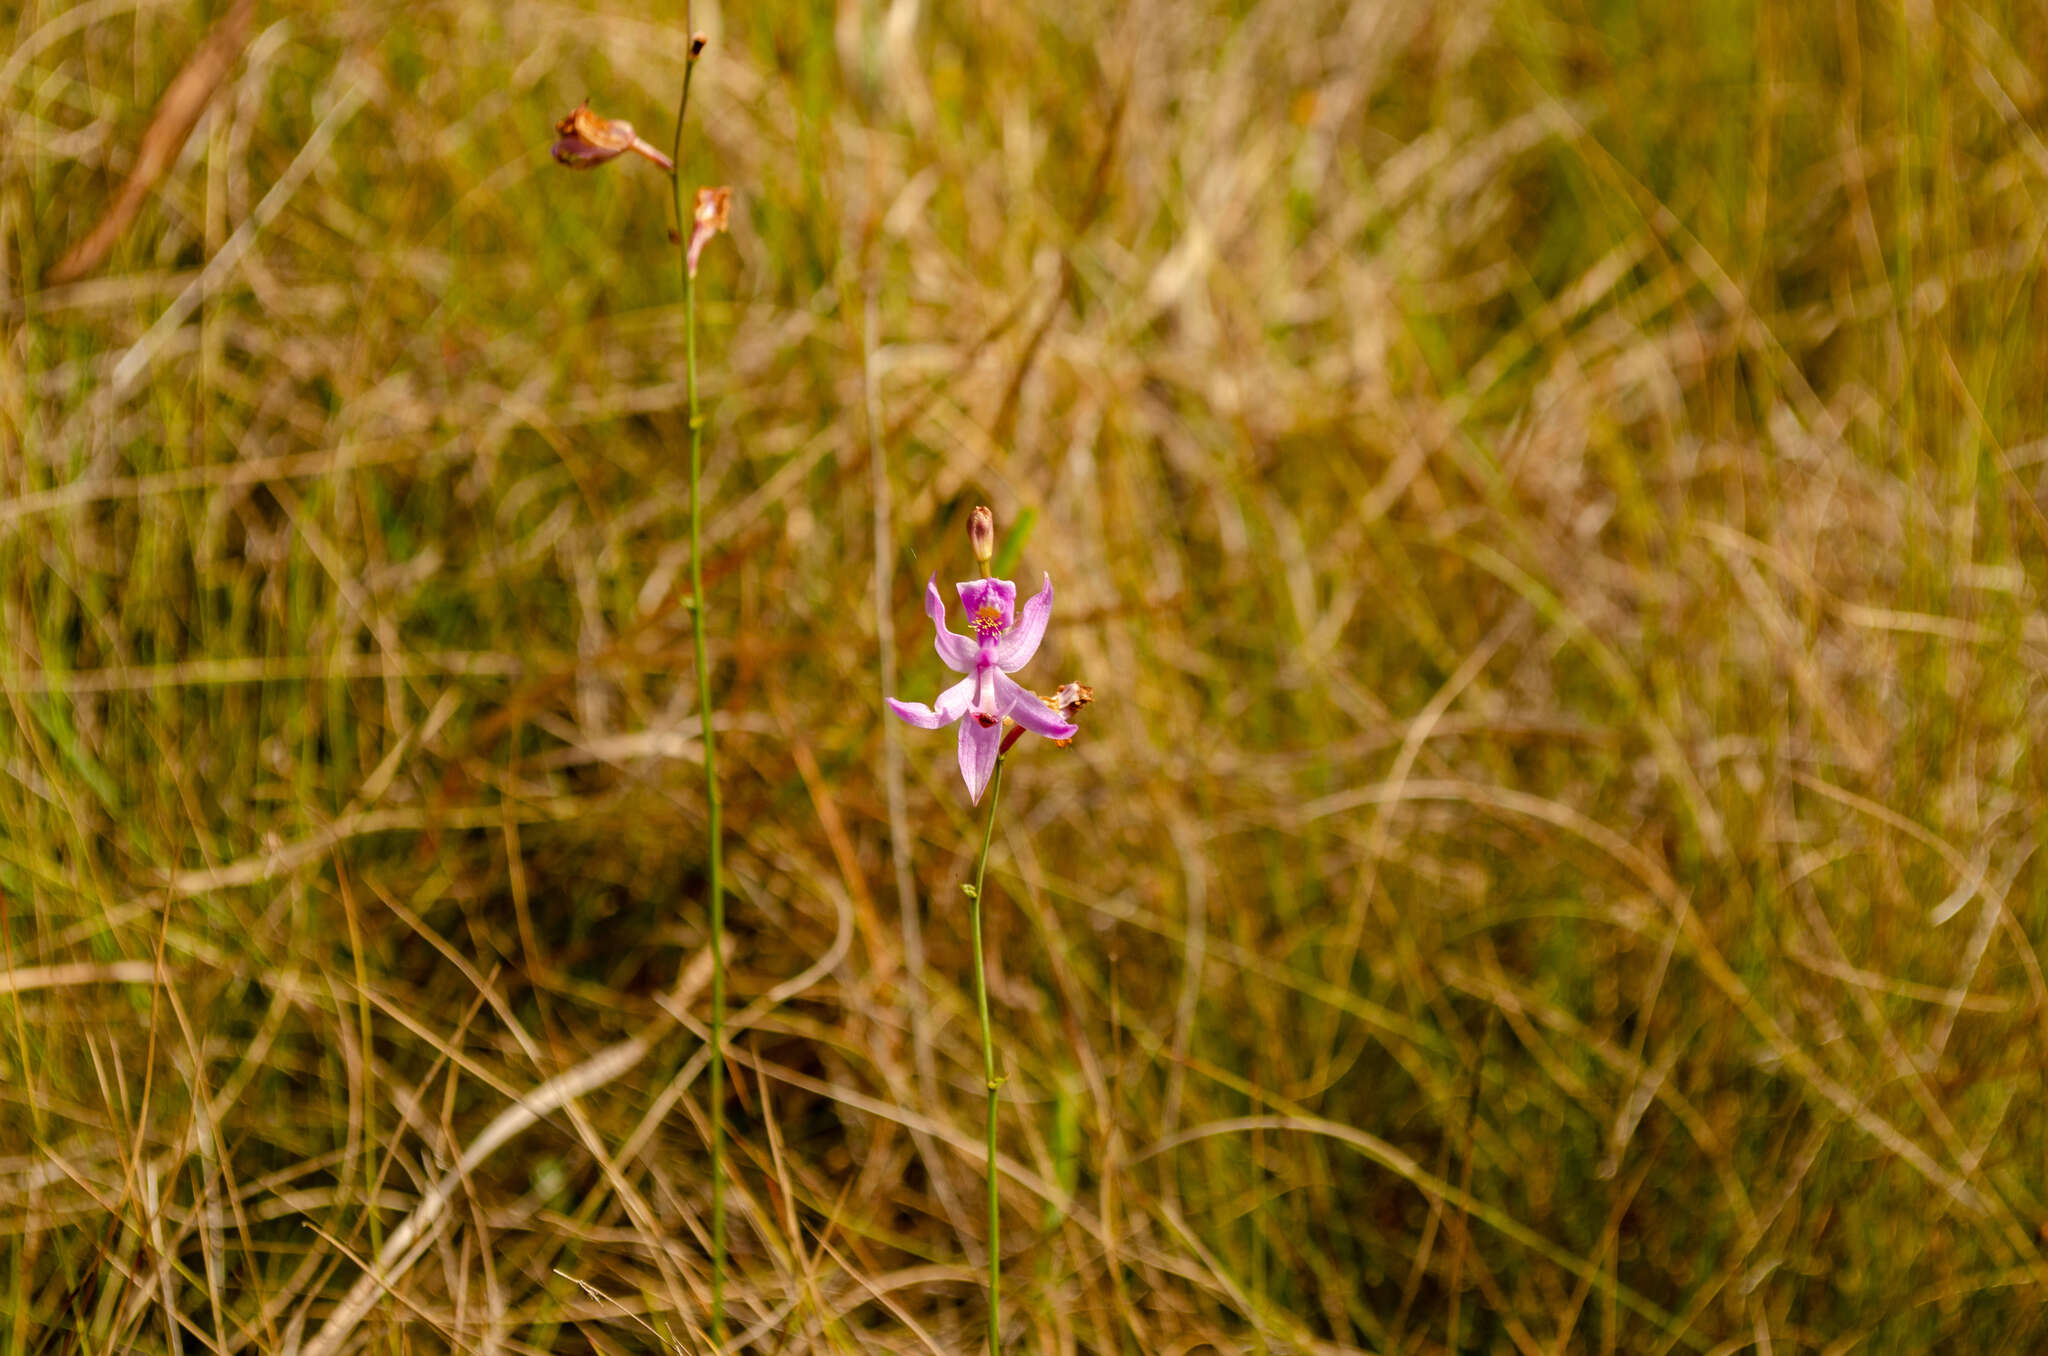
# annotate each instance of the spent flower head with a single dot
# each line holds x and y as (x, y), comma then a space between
(1004, 641)
(713, 215)
(586, 139)
(1068, 702)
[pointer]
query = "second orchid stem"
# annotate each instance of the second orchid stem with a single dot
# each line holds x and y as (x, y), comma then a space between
(705, 737)
(988, 1067)
(717, 838)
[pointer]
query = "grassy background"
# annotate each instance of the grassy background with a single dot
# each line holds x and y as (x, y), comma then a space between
(1549, 497)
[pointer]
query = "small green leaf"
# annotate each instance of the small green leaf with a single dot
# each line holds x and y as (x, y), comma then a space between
(1013, 544)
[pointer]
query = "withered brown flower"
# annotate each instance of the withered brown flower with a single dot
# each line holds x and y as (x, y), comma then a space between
(1067, 702)
(588, 139)
(713, 214)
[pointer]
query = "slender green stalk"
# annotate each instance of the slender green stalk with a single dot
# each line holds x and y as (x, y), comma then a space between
(717, 839)
(988, 1068)
(705, 735)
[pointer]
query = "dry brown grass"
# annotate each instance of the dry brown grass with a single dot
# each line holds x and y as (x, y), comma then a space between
(1550, 502)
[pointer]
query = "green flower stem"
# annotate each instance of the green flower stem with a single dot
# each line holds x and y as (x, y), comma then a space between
(705, 736)
(717, 841)
(988, 1068)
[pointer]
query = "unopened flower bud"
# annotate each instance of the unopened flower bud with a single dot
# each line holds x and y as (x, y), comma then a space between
(714, 211)
(588, 139)
(981, 532)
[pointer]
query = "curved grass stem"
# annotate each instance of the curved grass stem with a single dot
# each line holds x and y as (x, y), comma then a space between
(988, 1067)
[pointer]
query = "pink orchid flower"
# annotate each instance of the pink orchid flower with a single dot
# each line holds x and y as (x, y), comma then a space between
(1003, 643)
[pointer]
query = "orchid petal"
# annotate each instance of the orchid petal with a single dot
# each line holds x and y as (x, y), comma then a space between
(1021, 642)
(985, 701)
(1000, 594)
(577, 153)
(952, 705)
(979, 745)
(1022, 705)
(956, 650)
